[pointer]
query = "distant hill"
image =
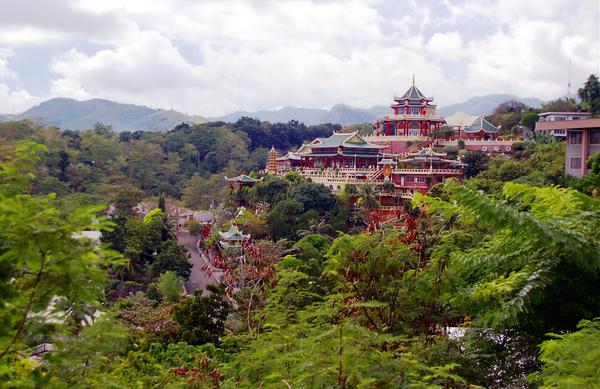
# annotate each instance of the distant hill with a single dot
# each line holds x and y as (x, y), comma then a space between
(347, 114)
(484, 105)
(305, 115)
(338, 114)
(79, 115)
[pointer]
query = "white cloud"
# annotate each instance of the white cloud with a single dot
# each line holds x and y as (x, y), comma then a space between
(15, 101)
(212, 57)
(448, 46)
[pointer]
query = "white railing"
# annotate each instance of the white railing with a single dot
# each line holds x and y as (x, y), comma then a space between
(391, 208)
(376, 173)
(339, 170)
(419, 116)
(429, 171)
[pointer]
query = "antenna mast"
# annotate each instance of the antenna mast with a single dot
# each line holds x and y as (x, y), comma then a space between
(569, 83)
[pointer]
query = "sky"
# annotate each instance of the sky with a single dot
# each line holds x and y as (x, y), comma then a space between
(212, 57)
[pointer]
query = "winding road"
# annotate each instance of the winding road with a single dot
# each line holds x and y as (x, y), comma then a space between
(199, 279)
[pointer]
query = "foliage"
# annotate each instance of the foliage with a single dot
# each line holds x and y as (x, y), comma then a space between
(322, 346)
(538, 162)
(572, 360)
(539, 267)
(282, 136)
(567, 104)
(146, 321)
(529, 119)
(169, 285)
(194, 227)
(314, 196)
(172, 257)
(201, 317)
(590, 95)
(41, 255)
(367, 198)
(162, 203)
(508, 115)
(476, 161)
(283, 218)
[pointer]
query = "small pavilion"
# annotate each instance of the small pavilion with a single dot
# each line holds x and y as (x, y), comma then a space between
(480, 129)
(238, 182)
(232, 238)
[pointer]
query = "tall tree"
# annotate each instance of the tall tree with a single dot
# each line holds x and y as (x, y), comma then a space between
(41, 255)
(590, 95)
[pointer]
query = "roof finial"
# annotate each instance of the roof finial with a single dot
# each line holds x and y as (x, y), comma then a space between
(413, 80)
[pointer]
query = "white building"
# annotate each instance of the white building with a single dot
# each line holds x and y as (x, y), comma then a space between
(557, 117)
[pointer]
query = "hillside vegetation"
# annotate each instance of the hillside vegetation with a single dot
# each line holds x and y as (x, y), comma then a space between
(491, 282)
(80, 115)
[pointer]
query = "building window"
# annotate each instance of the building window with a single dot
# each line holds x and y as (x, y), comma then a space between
(575, 163)
(595, 137)
(409, 179)
(575, 137)
(421, 179)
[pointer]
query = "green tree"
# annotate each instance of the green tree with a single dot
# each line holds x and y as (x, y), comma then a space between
(169, 285)
(476, 161)
(529, 119)
(162, 203)
(202, 318)
(194, 227)
(367, 198)
(590, 95)
(314, 196)
(172, 257)
(560, 105)
(41, 255)
(572, 360)
(283, 218)
(541, 262)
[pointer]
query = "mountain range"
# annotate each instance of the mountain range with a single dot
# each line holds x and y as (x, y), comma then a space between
(79, 115)
(347, 114)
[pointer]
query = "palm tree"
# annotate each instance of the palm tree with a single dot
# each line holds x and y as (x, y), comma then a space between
(367, 198)
(320, 228)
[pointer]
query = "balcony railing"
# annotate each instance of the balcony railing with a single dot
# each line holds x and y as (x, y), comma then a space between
(428, 171)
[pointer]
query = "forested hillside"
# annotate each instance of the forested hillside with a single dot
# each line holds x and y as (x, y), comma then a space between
(490, 283)
(80, 115)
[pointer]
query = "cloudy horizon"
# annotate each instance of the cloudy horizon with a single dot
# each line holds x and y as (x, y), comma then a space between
(215, 57)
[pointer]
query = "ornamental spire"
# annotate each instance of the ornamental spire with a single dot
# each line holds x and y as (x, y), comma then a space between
(413, 80)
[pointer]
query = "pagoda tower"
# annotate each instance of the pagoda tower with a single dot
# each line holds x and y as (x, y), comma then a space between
(413, 116)
(272, 160)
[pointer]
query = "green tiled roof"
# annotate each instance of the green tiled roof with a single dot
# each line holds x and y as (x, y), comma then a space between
(233, 234)
(480, 124)
(244, 178)
(351, 139)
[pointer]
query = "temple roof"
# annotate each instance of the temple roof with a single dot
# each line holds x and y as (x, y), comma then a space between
(386, 161)
(244, 178)
(351, 140)
(233, 234)
(414, 93)
(289, 155)
(428, 154)
(480, 124)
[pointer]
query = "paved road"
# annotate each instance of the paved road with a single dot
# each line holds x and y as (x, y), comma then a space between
(198, 278)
